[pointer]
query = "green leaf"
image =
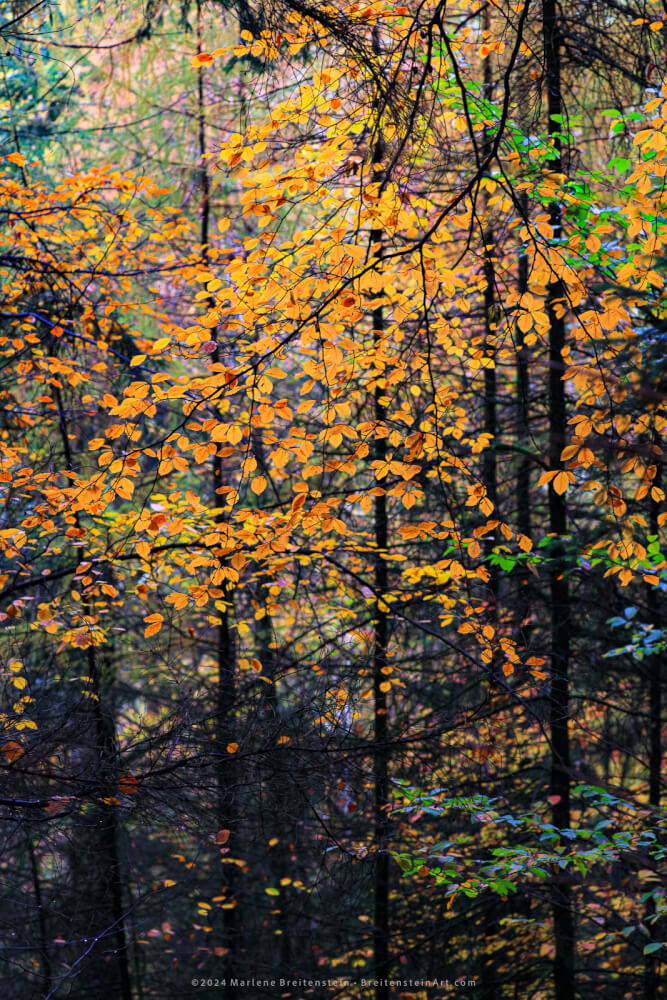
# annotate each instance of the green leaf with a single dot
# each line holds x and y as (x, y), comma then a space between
(652, 947)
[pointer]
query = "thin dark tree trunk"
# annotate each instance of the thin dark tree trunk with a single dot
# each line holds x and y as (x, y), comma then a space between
(558, 581)
(524, 525)
(523, 413)
(381, 757)
(490, 473)
(655, 683)
(274, 793)
(110, 888)
(651, 974)
(41, 919)
(227, 812)
(381, 931)
(112, 881)
(489, 460)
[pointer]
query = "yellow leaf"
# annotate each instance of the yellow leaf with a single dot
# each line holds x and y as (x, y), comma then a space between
(220, 432)
(546, 477)
(143, 549)
(178, 600)
(258, 485)
(561, 482)
(138, 359)
(125, 488)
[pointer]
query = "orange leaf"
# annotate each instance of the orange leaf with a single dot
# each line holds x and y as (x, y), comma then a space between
(57, 804)
(128, 784)
(178, 600)
(143, 549)
(561, 482)
(524, 543)
(13, 750)
(546, 477)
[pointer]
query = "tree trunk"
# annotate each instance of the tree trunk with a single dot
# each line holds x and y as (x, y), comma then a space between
(523, 414)
(227, 812)
(41, 920)
(109, 888)
(490, 478)
(523, 518)
(558, 582)
(490, 461)
(111, 885)
(381, 757)
(381, 933)
(651, 975)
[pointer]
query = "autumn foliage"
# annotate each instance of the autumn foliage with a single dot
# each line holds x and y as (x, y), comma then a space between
(332, 585)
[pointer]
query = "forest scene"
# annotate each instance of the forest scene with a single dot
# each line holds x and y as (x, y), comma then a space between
(333, 579)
